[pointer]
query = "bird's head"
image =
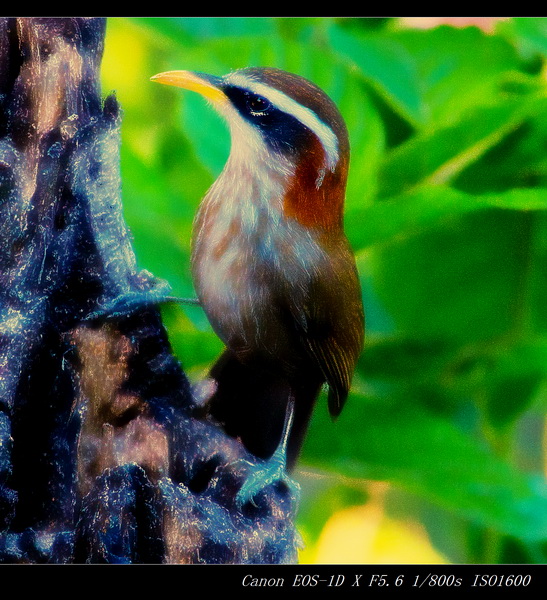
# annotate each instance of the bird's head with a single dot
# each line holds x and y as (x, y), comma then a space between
(279, 119)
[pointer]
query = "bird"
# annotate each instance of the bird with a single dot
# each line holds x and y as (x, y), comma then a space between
(272, 267)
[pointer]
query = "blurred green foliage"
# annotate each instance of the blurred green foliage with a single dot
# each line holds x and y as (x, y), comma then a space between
(447, 212)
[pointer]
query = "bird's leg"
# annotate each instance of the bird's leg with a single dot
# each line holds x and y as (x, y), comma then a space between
(273, 469)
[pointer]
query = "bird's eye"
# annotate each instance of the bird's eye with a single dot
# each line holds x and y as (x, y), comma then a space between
(257, 105)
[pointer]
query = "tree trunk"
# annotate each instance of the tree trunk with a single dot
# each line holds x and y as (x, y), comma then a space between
(102, 456)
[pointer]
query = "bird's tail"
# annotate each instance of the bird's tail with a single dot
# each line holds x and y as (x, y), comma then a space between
(251, 400)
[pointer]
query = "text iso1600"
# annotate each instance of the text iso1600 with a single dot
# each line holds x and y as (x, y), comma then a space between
(502, 580)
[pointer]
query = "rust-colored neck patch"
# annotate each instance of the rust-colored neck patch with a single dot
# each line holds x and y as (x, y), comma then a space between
(315, 196)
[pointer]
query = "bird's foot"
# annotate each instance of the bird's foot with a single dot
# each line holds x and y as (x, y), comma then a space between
(263, 475)
(271, 470)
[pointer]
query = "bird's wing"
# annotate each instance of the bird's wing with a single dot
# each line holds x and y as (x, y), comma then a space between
(331, 326)
(336, 364)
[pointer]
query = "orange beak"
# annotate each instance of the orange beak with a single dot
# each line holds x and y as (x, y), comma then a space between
(208, 86)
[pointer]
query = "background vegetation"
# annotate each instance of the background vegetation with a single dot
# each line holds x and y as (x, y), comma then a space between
(440, 455)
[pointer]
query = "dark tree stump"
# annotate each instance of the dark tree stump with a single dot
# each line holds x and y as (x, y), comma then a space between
(102, 456)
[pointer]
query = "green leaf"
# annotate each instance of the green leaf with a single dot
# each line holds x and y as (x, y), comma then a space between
(387, 66)
(438, 157)
(193, 30)
(464, 281)
(528, 34)
(398, 218)
(429, 456)
(403, 359)
(458, 69)
(513, 378)
(503, 379)
(429, 77)
(519, 160)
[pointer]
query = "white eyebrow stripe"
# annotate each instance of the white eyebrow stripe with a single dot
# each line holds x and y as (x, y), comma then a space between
(306, 116)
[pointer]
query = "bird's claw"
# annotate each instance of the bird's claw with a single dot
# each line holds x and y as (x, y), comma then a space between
(260, 477)
(127, 303)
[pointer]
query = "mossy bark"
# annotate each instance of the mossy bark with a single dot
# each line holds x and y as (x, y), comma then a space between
(102, 456)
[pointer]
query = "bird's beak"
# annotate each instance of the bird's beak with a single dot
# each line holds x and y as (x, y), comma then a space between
(208, 86)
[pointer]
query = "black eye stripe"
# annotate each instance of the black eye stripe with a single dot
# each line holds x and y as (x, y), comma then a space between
(280, 130)
(257, 105)
(249, 104)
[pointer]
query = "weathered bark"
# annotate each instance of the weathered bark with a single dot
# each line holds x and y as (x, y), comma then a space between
(102, 458)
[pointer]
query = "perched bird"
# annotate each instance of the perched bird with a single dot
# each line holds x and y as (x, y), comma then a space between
(271, 264)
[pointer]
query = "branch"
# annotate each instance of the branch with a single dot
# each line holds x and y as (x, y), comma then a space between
(103, 457)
